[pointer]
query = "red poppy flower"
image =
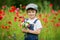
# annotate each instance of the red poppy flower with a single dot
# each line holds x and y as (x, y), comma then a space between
(57, 24)
(9, 22)
(11, 10)
(54, 17)
(59, 19)
(56, 14)
(3, 27)
(49, 14)
(52, 11)
(15, 19)
(2, 12)
(52, 20)
(22, 19)
(45, 20)
(40, 15)
(50, 5)
(19, 20)
(4, 6)
(21, 16)
(13, 7)
(17, 13)
(1, 17)
(20, 25)
(7, 27)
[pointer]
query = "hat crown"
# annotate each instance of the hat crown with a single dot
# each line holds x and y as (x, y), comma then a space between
(31, 5)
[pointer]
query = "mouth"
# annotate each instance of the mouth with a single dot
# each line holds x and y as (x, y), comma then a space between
(31, 15)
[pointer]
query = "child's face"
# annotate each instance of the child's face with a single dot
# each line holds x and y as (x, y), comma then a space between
(31, 13)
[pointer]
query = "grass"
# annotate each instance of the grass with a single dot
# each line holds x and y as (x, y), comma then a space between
(48, 32)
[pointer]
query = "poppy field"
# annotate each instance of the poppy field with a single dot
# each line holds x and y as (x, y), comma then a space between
(11, 19)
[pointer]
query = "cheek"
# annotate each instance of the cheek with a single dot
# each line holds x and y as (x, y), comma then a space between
(29, 14)
(33, 14)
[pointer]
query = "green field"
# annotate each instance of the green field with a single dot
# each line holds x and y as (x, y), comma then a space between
(10, 25)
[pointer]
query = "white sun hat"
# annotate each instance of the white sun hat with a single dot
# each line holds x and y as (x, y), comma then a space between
(31, 5)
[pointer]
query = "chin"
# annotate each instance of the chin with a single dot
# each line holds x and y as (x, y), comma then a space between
(31, 17)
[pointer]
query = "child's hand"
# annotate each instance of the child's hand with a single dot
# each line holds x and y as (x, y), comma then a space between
(25, 30)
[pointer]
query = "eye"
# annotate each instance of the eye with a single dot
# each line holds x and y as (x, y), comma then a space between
(29, 11)
(33, 11)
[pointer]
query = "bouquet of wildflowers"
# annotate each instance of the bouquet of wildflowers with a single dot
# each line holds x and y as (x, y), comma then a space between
(25, 25)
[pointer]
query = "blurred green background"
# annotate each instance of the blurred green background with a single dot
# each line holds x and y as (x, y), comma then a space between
(17, 3)
(12, 13)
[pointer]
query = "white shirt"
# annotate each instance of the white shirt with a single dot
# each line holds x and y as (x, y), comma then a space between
(37, 25)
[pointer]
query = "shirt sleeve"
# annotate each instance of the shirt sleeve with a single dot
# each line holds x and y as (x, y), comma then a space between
(38, 25)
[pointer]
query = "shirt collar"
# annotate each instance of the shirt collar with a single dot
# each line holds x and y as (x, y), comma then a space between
(33, 19)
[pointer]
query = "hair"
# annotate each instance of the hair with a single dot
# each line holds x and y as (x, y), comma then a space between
(31, 9)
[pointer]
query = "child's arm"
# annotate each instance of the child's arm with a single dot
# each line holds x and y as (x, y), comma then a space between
(32, 31)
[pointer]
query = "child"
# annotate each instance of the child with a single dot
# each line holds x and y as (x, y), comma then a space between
(35, 24)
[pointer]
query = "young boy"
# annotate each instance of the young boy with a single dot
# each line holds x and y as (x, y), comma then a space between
(35, 24)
